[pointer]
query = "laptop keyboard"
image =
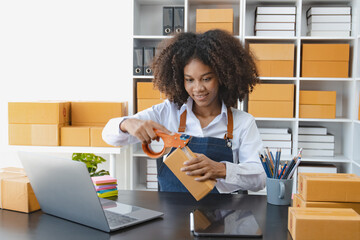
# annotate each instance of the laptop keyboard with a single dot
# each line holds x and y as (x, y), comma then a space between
(115, 219)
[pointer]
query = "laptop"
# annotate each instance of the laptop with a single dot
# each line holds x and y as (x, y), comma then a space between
(63, 188)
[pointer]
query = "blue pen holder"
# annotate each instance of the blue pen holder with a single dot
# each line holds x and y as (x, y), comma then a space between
(279, 191)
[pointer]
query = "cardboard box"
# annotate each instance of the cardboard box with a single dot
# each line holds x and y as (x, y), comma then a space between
(96, 139)
(273, 92)
(16, 192)
(274, 60)
(298, 201)
(323, 223)
(39, 112)
(272, 109)
(143, 104)
(35, 134)
(317, 111)
(75, 136)
(325, 60)
(96, 113)
(207, 19)
(317, 97)
(146, 90)
(332, 187)
(175, 162)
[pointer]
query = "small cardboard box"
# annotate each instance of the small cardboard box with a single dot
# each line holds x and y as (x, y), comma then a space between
(96, 113)
(35, 134)
(207, 19)
(298, 201)
(332, 187)
(96, 139)
(146, 90)
(273, 92)
(317, 97)
(271, 109)
(317, 111)
(175, 162)
(16, 192)
(325, 60)
(39, 112)
(274, 60)
(143, 104)
(323, 223)
(75, 136)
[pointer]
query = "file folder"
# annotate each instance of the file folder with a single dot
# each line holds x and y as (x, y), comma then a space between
(178, 19)
(138, 61)
(148, 57)
(168, 20)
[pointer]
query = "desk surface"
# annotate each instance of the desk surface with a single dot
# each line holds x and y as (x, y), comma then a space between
(174, 224)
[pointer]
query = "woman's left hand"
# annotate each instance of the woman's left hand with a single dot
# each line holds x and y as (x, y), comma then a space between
(204, 167)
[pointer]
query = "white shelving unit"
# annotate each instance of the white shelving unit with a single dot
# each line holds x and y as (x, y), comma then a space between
(345, 127)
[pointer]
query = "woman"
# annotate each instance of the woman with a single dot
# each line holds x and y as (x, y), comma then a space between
(203, 77)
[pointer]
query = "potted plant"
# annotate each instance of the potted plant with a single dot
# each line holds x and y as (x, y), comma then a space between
(91, 161)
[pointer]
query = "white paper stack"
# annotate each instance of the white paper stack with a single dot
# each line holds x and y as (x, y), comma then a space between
(275, 138)
(151, 174)
(329, 21)
(275, 21)
(315, 141)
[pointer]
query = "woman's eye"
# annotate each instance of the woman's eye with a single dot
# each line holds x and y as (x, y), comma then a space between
(207, 79)
(188, 80)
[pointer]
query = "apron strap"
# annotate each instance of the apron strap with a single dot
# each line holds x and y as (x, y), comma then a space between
(230, 125)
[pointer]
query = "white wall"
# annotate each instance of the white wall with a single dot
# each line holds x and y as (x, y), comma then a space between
(63, 50)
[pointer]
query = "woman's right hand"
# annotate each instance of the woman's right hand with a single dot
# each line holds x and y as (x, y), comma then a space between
(142, 129)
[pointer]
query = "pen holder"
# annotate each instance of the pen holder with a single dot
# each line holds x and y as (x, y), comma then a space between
(279, 191)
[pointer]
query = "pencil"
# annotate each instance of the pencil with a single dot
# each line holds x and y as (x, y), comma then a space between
(297, 164)
(264, 165)
(282, 170)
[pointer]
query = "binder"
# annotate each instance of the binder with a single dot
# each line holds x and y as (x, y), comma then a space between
(168, 20)
(148, 57)
(138, 63)
(178, 19)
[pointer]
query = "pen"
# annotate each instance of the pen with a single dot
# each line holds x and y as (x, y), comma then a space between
(297, 164)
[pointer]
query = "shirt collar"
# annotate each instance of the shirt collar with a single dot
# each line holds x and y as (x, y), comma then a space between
(189, 104)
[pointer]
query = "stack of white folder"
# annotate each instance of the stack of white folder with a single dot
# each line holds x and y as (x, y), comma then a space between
(316, 142)
(329, 21)
(275, 21)
(275, 138)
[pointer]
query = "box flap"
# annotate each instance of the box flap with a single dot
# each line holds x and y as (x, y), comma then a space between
(325, 52)
(272, 51)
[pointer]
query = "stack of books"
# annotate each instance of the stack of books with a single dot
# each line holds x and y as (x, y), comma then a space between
(329, 21)
(151, 174)
(275, 21)
(315, 141)
(105, 186)
(274, 138)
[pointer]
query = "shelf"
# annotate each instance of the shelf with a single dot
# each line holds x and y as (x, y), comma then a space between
(335, 159)
(327, 38)
(346, 120)
(277, 78)
(325, 79)
(275, 119)
(160, 37)
(270, 38)
(357, 122)
(143, 77)
(62, 149)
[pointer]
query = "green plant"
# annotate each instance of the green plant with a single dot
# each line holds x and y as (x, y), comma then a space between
(91, 161)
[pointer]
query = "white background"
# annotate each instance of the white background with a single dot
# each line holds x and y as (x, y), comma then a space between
(63, 50)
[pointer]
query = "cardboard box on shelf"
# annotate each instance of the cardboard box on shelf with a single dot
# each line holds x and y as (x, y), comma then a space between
(317, 97)
(207, 19)
(317, 111)
(323, 223)
(325, 60)
(271, 109)
(274, 60)
(146, 90)
(143, 104)
(45, 112)
(332, 187)
(96, 113)
(35, 134)
(273, 92)
(75, 136)
(298, 201)
(96, 137)
(16, 192)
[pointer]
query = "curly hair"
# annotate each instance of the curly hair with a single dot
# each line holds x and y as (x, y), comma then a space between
(232, 64)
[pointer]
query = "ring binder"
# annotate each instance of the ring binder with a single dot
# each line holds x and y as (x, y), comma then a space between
(178, 19)
(138, 64)
(148, 57)
(168, 20)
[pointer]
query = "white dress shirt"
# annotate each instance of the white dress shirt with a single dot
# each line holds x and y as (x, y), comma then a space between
(244, 173)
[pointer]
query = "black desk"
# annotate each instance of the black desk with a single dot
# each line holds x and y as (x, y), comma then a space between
(174, 224)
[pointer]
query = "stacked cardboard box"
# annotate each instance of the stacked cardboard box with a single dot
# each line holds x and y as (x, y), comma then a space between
(326, 207)
(147, 96)
(329, 21)
(315, 141)
(37, 123)
(275, 21)
(325, 60)
(317, 104)
(273, 60)
(151, 174)
(16, 192)
(105, 186)
(274, 138)
(207, 19)
(272, 100)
